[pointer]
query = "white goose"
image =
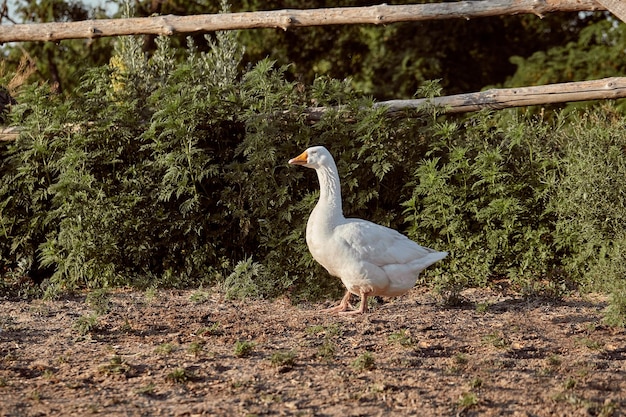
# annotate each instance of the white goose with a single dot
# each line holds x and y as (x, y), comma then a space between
(369, 259)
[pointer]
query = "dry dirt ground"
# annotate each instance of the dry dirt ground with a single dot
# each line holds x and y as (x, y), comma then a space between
(188, 353)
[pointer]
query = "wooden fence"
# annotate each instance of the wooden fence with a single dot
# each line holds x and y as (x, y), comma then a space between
(609, 88)
(285, 19)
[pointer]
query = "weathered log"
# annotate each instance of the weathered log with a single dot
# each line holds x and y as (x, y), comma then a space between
(9, 133)
(285, 19)
(606, 88)
(617, 7)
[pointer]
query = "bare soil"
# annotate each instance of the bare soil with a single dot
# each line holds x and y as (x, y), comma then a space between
(192, 353)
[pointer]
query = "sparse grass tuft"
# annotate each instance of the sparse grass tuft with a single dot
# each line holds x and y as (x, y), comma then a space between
(327, 350)
(476, 383)
(467, 400)
(86, 324)
(459, 361)
(482, 308)
(150, 294)
(99, 300)
(243, 348)
(329, 331)
(147, 389)
(212, 330)
(496, 340)
(315, 329)
(199, 297)
(552, 364)
(591, 344)
(328, 347)
(195, 348)
(607, 409)
(179, 376)
(116, 365)
(284, 358)
(554, 361)
(364, 362)
(402, 337)
(165, 349)
(570, 383)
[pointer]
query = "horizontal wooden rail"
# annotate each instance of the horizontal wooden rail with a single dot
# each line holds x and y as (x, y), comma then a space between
(285, 19)
(502, 98)
(606, 88)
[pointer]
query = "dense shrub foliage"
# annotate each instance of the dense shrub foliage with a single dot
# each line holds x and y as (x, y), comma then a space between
(169, 172)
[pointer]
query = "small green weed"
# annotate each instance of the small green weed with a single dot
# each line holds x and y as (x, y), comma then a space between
(147, 389)
(199, 297)
(212, 330)
(35, 395)
(460, 359)
(165, 349)
(150, 294)
(476, 383)
(283, 358)
(116, 365)
(552, 364)
(401, 337)
(328, 347)
(591, 344)
(482, 308)
(496, 340)
(179, 376)
(126, 327)
(195, 348)
(99, 300)
(316, 329)
(327, 350)
(570, 383)
(248, 279)
(364, 362)
(607, 409)
(554, 361)
(86, 324)
(243, 348)
(467, 400)
(331, 330)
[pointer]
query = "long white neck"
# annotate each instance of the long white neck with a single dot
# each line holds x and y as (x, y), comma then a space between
(329, 204)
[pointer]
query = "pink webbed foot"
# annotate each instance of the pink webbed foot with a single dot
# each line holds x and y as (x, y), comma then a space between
(362, 308)
(343, 306)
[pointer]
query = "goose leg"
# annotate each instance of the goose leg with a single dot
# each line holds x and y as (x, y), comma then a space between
(362, 309)
(342, 307)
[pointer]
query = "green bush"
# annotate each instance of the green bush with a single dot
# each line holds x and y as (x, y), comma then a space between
(172, 172)
(590, 202)
(168, 172)
(482, 192)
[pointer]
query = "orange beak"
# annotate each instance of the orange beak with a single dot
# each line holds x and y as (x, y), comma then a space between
(300, 159)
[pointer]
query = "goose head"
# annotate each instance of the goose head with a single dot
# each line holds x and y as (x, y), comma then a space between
(315, 157)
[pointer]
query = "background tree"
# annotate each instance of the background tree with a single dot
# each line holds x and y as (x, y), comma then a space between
(383, 61)
(62, 63)
(596, 52)
(392, 61)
